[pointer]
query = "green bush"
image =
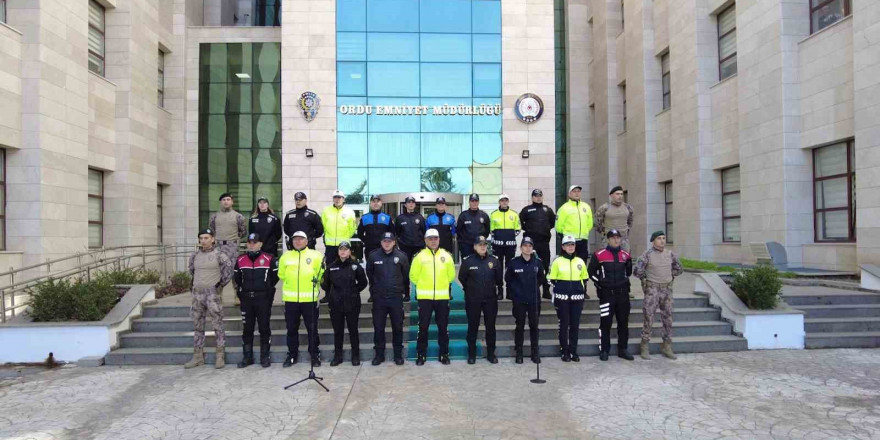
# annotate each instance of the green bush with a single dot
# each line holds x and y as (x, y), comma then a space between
(759, 288)
(705, 265)
(176, 284)
(78, 300)
(128, 276)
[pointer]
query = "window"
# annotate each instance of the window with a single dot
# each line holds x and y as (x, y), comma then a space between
(834, 183)
(824, 13)
(623, 96)
(727, 42)
(96, 208)
(730, 208)
(665, 78)
(160, 99)
(96, 37)
(667, 195)
(3, 14)
(2, 199)
(159, 222)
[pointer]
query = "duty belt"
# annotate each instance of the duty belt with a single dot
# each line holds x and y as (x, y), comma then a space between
(252, 294)
(661, 285)
(225, 242)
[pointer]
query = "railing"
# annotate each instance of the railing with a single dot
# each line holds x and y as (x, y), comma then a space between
(14, 295)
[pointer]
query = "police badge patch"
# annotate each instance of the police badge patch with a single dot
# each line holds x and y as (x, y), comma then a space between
(396, 260)
(580, 267)
(354, 267)
(491, 265)
(309, 103)
(418, 221)
(442, 259)
(269, 219)
(481, 220)
(308, 261)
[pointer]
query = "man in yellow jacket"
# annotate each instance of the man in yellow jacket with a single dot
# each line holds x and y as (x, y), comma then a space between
(433, 271)
(340, 224)
(301, 270)
(575, 219)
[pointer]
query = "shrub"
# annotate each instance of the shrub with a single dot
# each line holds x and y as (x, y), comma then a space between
(176, 284)
(759, 288)
(78, 300)
(128, 276)
(705, 265)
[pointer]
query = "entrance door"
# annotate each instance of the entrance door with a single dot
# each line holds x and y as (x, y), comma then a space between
(425, 205)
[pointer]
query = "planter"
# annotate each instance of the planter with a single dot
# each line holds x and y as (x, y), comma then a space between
(779, 328)
(72, 341)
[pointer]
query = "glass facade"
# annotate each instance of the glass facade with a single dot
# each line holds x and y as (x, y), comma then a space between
(418, 53)
(561, 102)
(239, 124)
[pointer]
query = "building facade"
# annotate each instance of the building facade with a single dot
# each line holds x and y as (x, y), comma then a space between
(727, 123)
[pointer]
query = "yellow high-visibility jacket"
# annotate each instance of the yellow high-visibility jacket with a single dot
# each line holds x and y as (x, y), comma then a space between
(301, 272)
(433, 272)
(340, 224)
(575, 219)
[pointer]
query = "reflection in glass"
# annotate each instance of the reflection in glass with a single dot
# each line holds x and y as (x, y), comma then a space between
(267, 166)
(447, 149)
(392, 47)
(446, 16)
(397, 150)
(351, 79)
(392, 16)
(351, 15)
(352, 150)
(446, 47)
(446, 79)
(353, 182)
(454, 180)
(267, 131)
(390, 180)
(487, 79)
(393, 79)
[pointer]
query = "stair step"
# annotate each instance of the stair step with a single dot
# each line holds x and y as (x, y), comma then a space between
(806, 299)
(868, 339)
(837, 325)
(841, 310)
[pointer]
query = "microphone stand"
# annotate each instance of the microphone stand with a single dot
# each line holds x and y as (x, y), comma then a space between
(313, 334)
(537, 378)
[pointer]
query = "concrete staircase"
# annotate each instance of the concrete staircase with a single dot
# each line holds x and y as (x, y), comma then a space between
(837, 318)
(163, 335)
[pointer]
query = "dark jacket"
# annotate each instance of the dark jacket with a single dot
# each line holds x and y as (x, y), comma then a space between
(344, 282)
(610, 269)
(373, 226)
(537, 220)
(471, 224)
(258, 274)
(305, 220)
(445, 225)
(269, 228)
(524, 278)
(410, 229)
(388, 274)
(480, 277)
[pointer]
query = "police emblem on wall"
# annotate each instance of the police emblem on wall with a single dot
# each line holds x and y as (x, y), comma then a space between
(309, 103)
(529, 108)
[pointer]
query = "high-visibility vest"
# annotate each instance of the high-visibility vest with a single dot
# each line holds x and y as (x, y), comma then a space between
(504, 226)
(564, 269)
(301, 273)
(340, 224)
(432, 272)
(575, 219)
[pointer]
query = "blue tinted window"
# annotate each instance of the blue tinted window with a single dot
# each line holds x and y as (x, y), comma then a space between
(446, 16)
(351, 15)
(456, 180)
(394, 79)
(487, 80)
(486, 123)
(351, 149)
(398, 150)
(446, 47)
(447, 149)
(487, 17)
(445, 124)
(350, 122)
(446, 79)
(392, 47)
(351, 46)
(353, 182)
(393, 180)
(487, 148)
(487, 48)
(351, 79)
(395, 123)
(392, 16)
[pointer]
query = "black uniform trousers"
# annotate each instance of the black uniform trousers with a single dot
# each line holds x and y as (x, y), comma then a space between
(504, 255)
(489, 310)
(382, 309)
(410, 251)
(582, 249)
(569, 314)
(308, 311)
(331, 253)
(613, 303)
(339, 317)
(255, 310)
(368, 250)
(521, 311)
(542, 248)
(440, 309)
(465, 250)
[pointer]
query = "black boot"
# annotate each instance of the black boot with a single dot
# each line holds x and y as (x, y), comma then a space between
(490, 356)
(603, 356)
(265, 356)
(444, 359)
(566, 357)
(378, 358)
(355, 357)
(316, 360)
(575, 357)
(535, 357)
(248, 356)
(398, 356)
(623, 354)
(290, 360)
(337, 358)
(420, 360)
(519, 356)
(472, 356)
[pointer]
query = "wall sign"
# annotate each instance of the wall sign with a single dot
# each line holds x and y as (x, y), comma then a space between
(529, 108)
(417, 110)
(309, 103)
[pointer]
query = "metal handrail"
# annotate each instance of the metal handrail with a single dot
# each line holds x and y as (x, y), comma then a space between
(98, 260)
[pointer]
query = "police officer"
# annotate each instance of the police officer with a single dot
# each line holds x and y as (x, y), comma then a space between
(505, 227)
(568, 273)
(657, 268)
(409, 227)
(301, 270)
(374, 225)
(472, 223)
(433, 272)
(256, 273)
(537, 220)
(575, 219)
(388, 272)
(481, 277)
(610, 269)
(265, 223)
(210, 270)
(303, 219)
(343, 282)
(524, 277)
(443, 223)
(615, 214)
(340, 224)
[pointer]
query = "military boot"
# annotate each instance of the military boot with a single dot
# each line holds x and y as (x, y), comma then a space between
(666, 350)
(197, 359)
(643, 350)
(220, 358)
(248, 356)
(265, 356)
(337, 358)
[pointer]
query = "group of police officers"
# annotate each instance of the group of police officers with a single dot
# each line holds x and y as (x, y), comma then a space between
(411, 249)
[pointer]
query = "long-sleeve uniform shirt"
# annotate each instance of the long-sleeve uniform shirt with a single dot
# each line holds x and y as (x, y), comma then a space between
(210, 268)
(537, 220)
(306, 220)
(445, 226)
(269, 228)
(472, 224)
(658, 267)
(480, 277)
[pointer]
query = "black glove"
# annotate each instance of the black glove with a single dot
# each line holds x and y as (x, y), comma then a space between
(500, 294)
(406, 297)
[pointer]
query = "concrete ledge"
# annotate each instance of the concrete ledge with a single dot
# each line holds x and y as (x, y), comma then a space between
(73, 341)
(782, 327)
(870, 277)
(90, 361)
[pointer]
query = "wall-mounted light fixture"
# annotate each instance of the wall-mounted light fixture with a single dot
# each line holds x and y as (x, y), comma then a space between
(525, 154)
(310, 152)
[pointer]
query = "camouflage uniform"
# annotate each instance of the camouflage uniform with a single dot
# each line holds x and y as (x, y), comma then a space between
(620, 217)
(657, 269)
(206, 301)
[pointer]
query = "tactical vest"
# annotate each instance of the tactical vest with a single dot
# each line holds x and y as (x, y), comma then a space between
(207, 269)
(659, 268)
